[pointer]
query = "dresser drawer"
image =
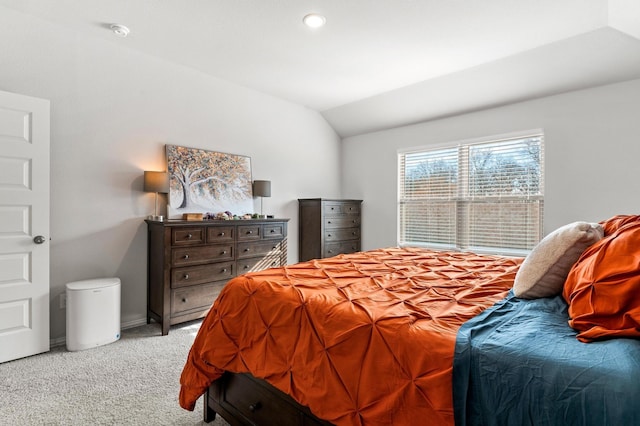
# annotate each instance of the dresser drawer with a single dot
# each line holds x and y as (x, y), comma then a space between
(203, 254)
(187, 236)
(342, 234)
(186, 299)
(258, 404)
(332, 209)
(351, 208)
(259, 263)
(273, 230)
(265, 248)
(249, 232)
(192, 275)
(341, 222)
(220, 234)
(334, 249)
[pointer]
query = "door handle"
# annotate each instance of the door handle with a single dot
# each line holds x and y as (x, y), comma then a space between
(39, 239)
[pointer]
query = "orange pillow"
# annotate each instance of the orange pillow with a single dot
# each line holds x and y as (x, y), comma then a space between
(612, 224)
(603, 287)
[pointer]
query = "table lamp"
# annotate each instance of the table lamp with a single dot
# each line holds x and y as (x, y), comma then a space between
(261, 188)
(157, 182)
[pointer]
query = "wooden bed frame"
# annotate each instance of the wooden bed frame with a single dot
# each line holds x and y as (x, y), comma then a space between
(241, 399)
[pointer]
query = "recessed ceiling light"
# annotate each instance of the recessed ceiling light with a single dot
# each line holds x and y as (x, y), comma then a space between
(314, 20)
(120, 30)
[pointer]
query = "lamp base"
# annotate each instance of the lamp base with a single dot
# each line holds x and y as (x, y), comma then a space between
(156, 218)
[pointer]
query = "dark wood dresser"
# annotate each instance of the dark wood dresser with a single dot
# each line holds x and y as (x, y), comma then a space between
(328, 227)
(190, 261)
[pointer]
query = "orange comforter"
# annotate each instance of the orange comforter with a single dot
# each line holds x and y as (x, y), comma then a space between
(361, 339)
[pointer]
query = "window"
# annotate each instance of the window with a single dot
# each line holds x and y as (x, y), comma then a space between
(483, 196)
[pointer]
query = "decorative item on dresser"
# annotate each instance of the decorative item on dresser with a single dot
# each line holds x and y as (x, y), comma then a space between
(328, 227)
(189, 262)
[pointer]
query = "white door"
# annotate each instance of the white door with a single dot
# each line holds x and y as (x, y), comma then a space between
(24, 226)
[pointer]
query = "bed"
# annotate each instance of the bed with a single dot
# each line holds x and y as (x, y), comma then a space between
(403, 336)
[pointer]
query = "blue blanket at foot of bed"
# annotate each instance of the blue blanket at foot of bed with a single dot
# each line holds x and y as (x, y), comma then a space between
(519, 363)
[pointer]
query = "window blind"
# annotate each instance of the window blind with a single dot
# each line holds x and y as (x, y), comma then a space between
(485, 196)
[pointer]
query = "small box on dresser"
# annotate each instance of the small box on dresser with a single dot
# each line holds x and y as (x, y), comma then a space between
(189, 262)
(328, 227)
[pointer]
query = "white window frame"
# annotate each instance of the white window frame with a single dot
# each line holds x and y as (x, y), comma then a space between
(464, 201)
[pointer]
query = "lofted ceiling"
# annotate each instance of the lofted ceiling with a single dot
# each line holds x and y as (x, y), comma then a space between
(377, 63)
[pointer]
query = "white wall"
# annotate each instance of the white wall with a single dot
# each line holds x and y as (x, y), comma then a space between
(112, 112)
(592, 143)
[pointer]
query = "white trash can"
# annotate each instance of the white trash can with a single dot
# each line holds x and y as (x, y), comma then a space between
(93, 313)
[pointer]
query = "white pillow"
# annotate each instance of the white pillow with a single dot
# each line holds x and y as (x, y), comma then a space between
(545, 269)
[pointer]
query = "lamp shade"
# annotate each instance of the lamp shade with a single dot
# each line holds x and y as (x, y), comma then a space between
(262, 188)
(156, 182)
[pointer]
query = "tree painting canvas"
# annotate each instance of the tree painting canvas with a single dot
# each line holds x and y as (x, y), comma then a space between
(204, 181)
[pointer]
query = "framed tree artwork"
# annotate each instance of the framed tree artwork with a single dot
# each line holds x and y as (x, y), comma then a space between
(204, 181)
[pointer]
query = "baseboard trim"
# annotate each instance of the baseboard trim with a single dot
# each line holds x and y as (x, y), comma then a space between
(133, 324)
(61, 341)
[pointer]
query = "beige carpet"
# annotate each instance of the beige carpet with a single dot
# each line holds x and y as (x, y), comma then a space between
(134, 381)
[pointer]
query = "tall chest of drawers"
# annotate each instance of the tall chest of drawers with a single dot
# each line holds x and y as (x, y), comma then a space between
(328, 227)
(189, 262)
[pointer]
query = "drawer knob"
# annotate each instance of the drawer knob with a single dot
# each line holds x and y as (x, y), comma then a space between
(184, 300)
(224, 270)
(186, 256)
(224, 252)
(353, 233)
(246, 266)
(189, 236)
(329, 251)
(328, 221)
(246, 250)
(254, 407)
(328, 235)
(273, 231)
(222, 234)
(186, 276)
(249, 232)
